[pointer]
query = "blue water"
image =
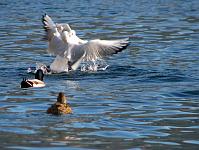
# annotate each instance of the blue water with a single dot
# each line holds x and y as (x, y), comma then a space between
(148, 97)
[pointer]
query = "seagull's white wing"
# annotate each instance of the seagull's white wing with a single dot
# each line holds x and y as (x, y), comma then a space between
(56, 45)
(54, 33)
(96, 49)
(49, 26)
(74, 53)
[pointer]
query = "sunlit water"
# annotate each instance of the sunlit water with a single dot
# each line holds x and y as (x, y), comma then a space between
(147, 98)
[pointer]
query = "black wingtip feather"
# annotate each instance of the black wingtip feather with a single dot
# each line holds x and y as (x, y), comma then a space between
(44, 27)
(122, 48)
(43, 21)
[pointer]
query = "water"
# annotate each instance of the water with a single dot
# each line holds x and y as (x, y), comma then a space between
(148, 97)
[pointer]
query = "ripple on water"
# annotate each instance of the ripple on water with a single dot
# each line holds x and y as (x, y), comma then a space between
(147, 98)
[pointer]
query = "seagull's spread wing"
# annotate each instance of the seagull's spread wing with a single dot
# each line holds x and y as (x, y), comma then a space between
(51, 28)
(56, 45)
(96, 49)
(54, 33)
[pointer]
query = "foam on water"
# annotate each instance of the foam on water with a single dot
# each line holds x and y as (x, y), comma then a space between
(91, 66)
(94, 66)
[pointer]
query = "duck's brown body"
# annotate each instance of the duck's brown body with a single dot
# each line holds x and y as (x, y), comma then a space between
(60, 107)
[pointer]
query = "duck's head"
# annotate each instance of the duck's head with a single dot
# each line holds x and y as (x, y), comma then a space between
(39, 75)
(61, 98)
(25, 83)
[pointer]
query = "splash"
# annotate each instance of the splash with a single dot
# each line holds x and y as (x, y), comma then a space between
(43, 67)
(93, 66)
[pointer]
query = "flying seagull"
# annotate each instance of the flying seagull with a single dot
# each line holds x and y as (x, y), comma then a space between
(70, 50)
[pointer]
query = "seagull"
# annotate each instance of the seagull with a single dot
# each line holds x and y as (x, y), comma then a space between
(70, 50)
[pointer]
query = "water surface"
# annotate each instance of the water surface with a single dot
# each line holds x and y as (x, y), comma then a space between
(148, 98)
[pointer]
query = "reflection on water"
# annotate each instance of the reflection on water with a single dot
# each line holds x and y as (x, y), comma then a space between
(146, 99)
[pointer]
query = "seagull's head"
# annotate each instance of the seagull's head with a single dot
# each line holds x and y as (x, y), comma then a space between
(60, 28)
(72, 32)
(65, 36)
(69, 37)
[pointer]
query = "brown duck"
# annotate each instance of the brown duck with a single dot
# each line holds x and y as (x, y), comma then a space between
(60, 107)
